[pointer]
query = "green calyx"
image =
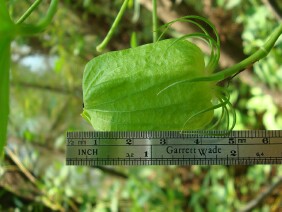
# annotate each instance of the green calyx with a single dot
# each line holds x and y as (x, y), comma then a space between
(120, 88)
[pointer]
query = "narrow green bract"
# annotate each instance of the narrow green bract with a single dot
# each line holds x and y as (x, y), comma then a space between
(120, 89)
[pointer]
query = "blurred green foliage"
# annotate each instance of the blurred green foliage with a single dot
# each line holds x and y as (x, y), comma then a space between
(46, 101)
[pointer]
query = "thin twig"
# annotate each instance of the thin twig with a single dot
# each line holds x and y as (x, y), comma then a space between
(111, 171)
(272, 5)
(77, 92)
(21, 166)
(255, 202)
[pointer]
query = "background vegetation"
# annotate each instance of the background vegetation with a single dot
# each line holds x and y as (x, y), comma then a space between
(46, 101)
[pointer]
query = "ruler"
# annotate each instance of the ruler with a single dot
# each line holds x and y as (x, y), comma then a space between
(174, 148)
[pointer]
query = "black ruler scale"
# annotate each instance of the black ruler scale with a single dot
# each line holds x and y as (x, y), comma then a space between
(174, 148)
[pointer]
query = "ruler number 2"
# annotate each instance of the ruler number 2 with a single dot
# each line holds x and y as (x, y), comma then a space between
(128, 141)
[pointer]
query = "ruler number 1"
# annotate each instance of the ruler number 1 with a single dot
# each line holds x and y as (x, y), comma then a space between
(146, 154)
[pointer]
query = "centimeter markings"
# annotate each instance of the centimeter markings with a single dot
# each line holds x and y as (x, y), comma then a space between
(174, 148)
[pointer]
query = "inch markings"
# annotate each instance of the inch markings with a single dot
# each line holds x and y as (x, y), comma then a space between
(174, 148)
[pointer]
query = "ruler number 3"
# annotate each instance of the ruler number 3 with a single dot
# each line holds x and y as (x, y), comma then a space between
(162, 141)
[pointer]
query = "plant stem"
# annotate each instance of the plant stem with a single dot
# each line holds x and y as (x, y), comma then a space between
(29, 29)
(28, 12)
(155, 21)
(4, 90)
(106, 40)
(261, 53)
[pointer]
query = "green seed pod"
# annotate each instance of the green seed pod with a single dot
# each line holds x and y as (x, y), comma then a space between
(120, 89)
